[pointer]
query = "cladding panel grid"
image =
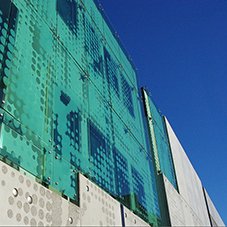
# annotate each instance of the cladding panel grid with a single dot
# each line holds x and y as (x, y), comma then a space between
(25, 202)
(49, 94)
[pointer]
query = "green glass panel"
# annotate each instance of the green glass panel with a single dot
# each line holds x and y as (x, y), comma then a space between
(161, 143)
(70, 102)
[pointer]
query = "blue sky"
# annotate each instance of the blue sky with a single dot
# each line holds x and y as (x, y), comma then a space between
(180, 50)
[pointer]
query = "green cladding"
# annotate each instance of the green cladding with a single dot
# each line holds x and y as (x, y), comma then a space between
(70, 102)
(160, 146)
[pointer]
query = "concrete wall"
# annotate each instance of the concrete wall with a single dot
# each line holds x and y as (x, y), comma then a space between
(214, 215)
(25, 202)
(189, 184)
(180, 212)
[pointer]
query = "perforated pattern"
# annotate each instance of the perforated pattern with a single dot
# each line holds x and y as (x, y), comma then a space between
(26, 202)
(97, 207)
(63, 68)
(131, 219)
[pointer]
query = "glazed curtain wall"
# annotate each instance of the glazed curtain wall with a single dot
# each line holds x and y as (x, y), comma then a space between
(70, 103)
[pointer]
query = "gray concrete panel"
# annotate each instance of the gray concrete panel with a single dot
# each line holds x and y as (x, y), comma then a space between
(189, 184)
(216, 220)
(98, 208)
(131, 219)
(180, 212)
(24, 202)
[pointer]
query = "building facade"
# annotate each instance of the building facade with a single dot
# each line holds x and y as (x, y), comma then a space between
(79, 145)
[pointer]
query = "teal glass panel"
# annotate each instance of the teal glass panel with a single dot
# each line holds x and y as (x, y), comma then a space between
(102, 168)
(162, 143)
(122, 177)
(67, 10)
(70, 102)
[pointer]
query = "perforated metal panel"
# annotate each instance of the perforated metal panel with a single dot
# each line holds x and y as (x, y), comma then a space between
(24, 202)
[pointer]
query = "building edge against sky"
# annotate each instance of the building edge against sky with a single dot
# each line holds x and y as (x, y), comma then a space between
(187, 201)
(73, 130)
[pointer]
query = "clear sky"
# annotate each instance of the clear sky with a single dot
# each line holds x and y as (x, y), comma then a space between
(180, 50)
